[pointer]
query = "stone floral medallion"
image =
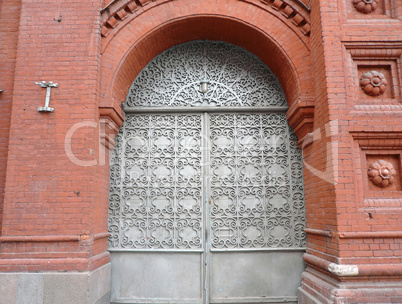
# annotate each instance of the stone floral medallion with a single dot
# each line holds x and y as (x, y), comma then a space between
(365, 6)
(382, 173)
(373, 83)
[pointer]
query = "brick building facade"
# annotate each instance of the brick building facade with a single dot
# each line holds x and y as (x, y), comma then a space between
(339, 63)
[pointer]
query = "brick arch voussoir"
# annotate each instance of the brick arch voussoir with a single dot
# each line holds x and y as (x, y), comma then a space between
(139, 38)
(296, 11)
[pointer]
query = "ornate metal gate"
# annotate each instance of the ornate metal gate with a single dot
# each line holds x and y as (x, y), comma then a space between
(206, 194)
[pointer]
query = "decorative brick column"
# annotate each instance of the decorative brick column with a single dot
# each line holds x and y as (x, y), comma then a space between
(354, 232)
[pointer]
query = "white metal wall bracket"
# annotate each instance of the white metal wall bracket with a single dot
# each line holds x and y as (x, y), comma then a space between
(48, 85)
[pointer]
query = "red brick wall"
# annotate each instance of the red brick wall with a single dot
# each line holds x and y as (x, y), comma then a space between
(355, 223)
(318, 55)
(351, 114)
(319, 156)
(46, 193)
(9, 25)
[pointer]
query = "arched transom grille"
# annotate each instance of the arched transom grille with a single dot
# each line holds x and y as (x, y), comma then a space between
(205, 73)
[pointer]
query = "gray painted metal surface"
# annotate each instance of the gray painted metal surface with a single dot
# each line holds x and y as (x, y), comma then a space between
(154, 277)
(255, 277)
(206, 206)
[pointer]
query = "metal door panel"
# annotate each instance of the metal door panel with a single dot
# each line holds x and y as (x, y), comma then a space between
(205, 201)
(157, 277)
(256, 187)
(206, 207)
(256, 212)
(156, 210)
(156, 184)
(255, 277)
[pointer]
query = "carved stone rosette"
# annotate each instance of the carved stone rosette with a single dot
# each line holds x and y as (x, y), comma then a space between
(373, 83)
(382, 173)
(365, 6)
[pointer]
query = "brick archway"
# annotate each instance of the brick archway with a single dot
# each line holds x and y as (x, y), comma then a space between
(150, 30)
(130, 44)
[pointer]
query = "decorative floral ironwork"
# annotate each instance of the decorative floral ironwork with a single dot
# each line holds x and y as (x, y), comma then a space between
(365, 6)
(382, 173)
(256, 182)
(373, 83)
(235, 78)
(165, 166)
(155, 189)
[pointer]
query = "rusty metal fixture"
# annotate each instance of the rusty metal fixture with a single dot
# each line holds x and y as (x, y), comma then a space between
(365, 6)
(373, 83)
(382, 173)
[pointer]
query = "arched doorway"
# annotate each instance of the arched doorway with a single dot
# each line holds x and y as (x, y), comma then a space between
(206, 197)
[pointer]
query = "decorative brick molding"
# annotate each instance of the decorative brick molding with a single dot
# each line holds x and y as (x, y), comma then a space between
(382, 173)
(319, 288)
(117, 11)
(378, 49)
(295, 11)
(40, 238)
(14, 257)
(354, 235)
(378, 140)
(110, 122)
(368, 234)
(319, 232)
(348, 270)
(373, 83)
(301, 117)
(380, 176)
(376, 80)
(338, 270)
(373, 74)
(369, 9)
(53, 238)
(365, 6)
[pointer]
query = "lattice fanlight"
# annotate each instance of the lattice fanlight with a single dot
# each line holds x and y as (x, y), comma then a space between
(230, 75)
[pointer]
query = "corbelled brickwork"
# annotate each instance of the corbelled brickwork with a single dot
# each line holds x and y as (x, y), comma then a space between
(54, 172)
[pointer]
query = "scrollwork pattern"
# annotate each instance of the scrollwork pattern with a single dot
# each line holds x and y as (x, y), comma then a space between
(256, 182)
(235, 77)
(254, 165)
(155, 188)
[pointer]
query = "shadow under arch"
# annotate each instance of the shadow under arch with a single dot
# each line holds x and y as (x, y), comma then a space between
(288, 57)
